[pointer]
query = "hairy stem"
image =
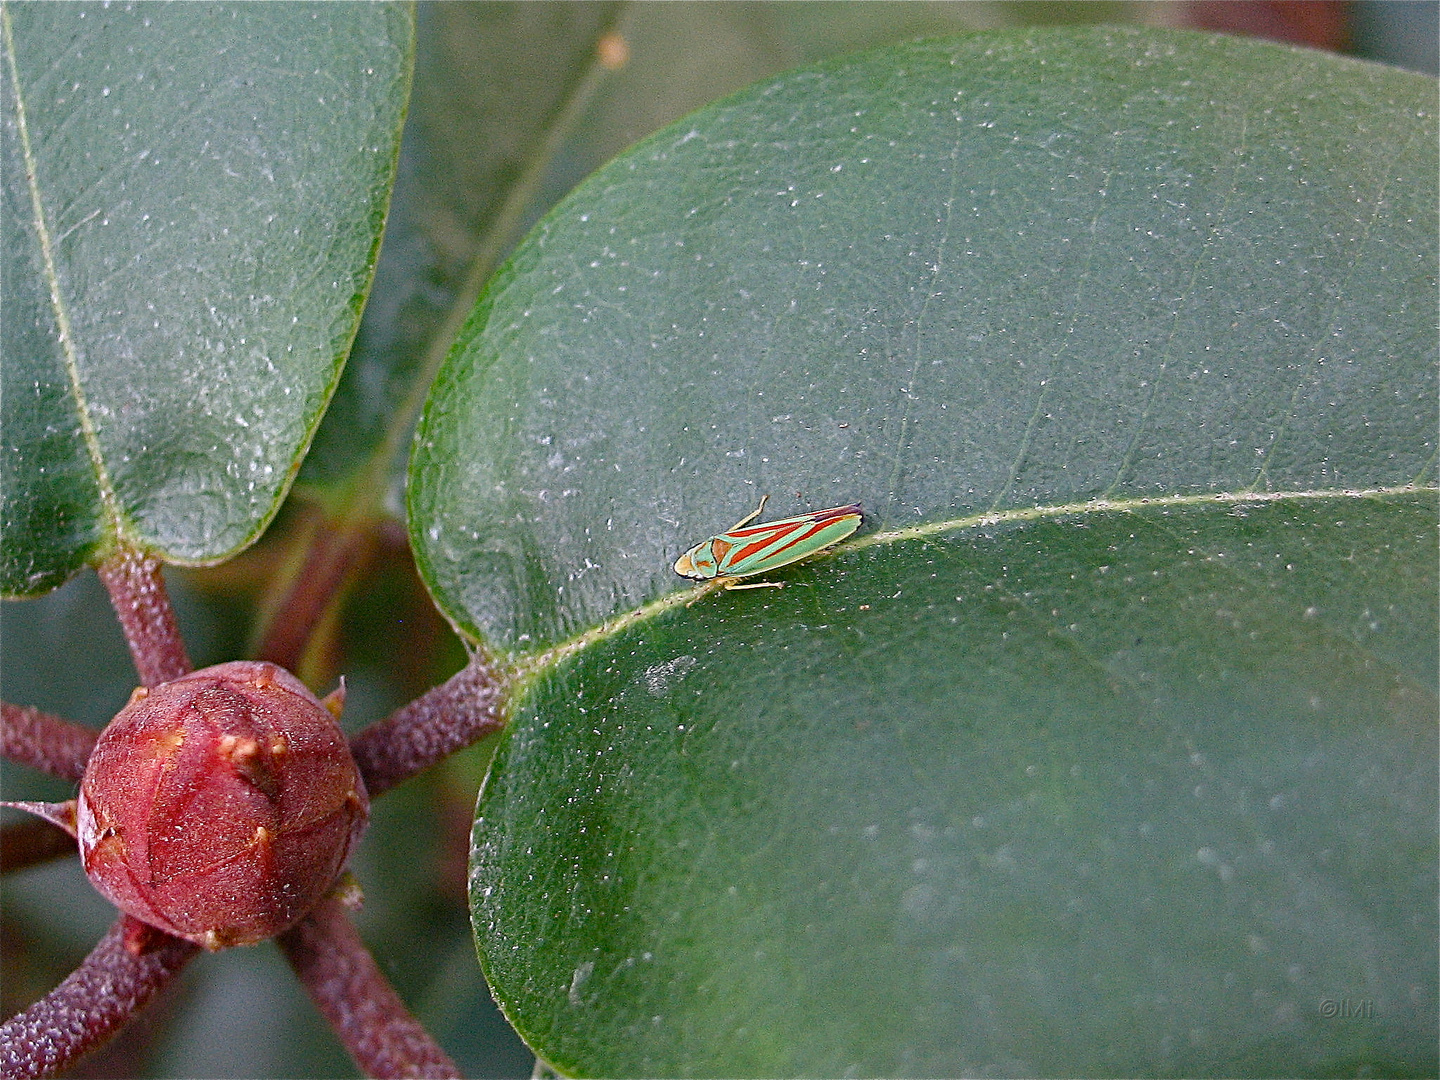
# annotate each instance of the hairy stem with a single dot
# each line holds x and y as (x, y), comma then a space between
(99, 997)
(460, 711)
(349, 990)
(137, 592)
(45, 741)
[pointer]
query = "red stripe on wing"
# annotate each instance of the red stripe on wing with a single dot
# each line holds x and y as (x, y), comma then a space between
(802, 527)
(770, 536)
(822, 517)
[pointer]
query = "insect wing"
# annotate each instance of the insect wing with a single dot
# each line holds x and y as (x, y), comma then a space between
(758, 548)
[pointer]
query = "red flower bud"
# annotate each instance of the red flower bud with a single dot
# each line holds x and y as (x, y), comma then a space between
(220, 807)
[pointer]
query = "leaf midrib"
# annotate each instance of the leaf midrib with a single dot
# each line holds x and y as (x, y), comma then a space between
(524, 668)
(108, 499)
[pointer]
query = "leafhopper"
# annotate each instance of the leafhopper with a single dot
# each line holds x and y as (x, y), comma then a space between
(744, 550)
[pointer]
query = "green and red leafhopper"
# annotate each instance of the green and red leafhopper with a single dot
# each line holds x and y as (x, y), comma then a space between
(745, 550)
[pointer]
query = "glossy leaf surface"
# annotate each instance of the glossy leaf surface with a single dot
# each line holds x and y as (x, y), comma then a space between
(1112, 794)
(944, 281)
(194, 197)
(1097, 752)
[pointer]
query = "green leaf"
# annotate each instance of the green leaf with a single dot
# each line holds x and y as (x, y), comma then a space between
(491, 84)
(1108, 747)
(1121, 793)
(943, 279)
(494, 84)
(194, 198)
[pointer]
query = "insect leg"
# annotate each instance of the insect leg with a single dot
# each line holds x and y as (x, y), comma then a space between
(750, 516)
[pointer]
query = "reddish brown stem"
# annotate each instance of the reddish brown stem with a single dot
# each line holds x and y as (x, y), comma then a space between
(460, 711)
(349, 990)
(45, 741)
(30, 842)
(137, 592)
(333, 553)
(1320, 24)
(106, 990)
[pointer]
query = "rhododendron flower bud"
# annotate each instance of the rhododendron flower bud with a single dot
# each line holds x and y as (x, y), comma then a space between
(220, 807)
